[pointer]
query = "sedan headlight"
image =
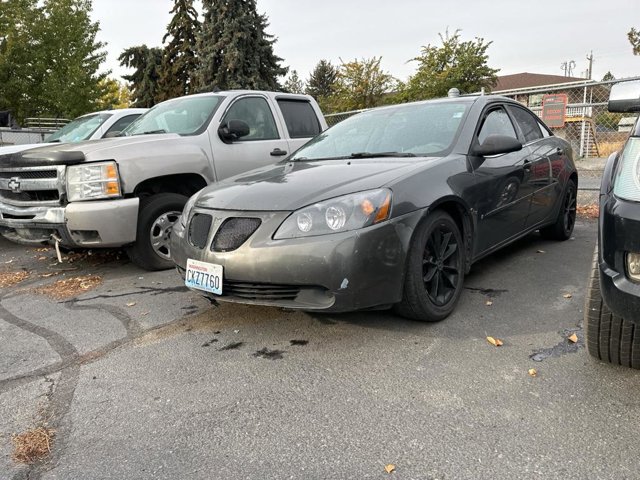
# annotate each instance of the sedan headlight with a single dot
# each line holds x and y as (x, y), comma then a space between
(92, 181)
(187, 209)
(340, 214)
(627, 182)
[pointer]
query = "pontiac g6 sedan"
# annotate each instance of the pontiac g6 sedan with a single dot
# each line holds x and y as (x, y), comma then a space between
(389, 208)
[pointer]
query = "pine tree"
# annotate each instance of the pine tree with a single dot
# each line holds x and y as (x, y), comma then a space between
(234, 50)
(179, 59)
(322, 80)
(144, 80)
(293, 83)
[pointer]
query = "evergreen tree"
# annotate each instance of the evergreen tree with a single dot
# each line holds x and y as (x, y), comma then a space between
(234, 50)
(293, 83)
(179, 59)
(49, 58)
(144, 80)
(322, 80)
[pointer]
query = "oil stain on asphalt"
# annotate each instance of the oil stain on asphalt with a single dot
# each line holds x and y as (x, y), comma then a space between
(562, 348)
(231, 346)
(269, 354)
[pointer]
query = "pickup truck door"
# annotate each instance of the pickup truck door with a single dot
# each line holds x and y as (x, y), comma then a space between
(265, 144)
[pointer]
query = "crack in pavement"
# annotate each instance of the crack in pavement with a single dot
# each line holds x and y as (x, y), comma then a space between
(152, 290)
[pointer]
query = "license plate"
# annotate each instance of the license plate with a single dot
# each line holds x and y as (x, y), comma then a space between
(204, 276)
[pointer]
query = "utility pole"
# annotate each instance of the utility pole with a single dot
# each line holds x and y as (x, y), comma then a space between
(590, 70)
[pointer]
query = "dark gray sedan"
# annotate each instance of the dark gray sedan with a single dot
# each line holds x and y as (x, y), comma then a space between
(389, 208)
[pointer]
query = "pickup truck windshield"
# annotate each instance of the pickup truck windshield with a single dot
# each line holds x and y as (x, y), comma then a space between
(79, 129)
(423, 129)
(184, 116)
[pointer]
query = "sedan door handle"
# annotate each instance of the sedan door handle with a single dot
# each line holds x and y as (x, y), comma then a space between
(278, 153)
(527, 165)
(559, 151)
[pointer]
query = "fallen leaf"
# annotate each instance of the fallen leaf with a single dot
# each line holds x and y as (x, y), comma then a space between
(488, 303)
(390, 468)
(541, 251)
(42, 258)
(131, 304)
(573, 338)
(567, 295)
(496, 342)
(144, 314)
(533, 372)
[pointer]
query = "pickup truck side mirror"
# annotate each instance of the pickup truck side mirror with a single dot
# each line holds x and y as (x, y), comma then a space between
(496, 145)
(625, 97)
(233, 130)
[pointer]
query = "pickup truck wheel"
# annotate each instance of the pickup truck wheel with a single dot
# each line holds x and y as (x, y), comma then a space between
(566, 220)
(435, 270)
(157, 215)
(608, 337)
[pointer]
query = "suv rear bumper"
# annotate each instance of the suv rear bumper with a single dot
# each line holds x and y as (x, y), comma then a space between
(619, 233)
(108, 223)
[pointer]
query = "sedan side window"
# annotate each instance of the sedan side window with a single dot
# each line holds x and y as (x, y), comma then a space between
(528, 124)
(496, 122)
(122, 123)
(256, 113)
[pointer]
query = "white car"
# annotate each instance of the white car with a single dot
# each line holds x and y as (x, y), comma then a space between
(91, 126)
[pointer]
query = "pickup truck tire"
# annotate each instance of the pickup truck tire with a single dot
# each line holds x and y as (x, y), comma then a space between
(157, 215)
(608, 337)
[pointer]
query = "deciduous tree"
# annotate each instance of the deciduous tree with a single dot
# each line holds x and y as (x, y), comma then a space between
(360, 84)
(234, 50)
(455, 64)
(634, 39)
(115, 95)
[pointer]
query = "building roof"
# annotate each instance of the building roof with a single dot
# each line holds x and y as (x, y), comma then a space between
(527, 80)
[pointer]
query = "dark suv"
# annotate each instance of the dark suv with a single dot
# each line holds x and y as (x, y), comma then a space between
(612, 309)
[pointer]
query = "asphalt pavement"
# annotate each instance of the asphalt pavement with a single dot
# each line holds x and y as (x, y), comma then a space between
(142, 379)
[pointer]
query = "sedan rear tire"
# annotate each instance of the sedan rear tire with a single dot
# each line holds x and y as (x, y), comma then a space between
(435, 270)
(562, 229)
(609, 338)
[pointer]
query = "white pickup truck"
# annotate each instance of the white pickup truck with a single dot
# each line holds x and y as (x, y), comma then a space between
(129, 190)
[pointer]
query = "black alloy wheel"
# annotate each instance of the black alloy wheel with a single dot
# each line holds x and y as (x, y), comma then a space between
(562, 228)
(435, 270)
(440, 265)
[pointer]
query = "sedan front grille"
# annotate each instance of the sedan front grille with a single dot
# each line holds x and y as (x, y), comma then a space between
(233, 233)
(260, 291)
(199, 229)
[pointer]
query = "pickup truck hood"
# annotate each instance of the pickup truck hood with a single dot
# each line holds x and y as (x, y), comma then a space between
(20, 148)
(288, 186)
(119, 148)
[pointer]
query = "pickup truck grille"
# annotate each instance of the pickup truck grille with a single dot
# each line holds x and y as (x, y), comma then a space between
(32, 186)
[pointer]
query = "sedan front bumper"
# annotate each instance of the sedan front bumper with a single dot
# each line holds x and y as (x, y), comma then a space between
(338, 272)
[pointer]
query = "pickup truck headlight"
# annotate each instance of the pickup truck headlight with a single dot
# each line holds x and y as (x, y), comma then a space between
(627, 182)
(341, 214)
(91, 181)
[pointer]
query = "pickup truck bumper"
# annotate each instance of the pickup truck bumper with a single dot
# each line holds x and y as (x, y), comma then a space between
(108, 223)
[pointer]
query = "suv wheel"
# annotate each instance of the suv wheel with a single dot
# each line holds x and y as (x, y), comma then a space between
(609, 338)
(157, 215)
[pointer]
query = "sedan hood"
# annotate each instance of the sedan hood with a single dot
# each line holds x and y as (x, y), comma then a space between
(92, 150)
(292, 185)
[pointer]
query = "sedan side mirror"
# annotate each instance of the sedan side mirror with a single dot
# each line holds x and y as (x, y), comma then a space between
(233, 130)
(496, 145)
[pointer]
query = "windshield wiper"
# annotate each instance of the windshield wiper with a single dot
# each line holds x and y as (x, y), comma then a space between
(151, 132)
(380, 154)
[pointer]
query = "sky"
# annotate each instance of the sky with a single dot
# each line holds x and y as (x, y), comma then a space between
(532, 36)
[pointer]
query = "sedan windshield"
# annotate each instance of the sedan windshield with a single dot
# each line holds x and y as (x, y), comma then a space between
(79, 129)
(184, 116)
(421, 129)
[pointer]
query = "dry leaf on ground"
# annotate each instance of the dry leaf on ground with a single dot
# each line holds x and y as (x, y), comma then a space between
(390, 468)
(573, 338)
(64, 289)
(533, 372)
(488, 303)
(541, 251)
(9, 279)
(32, 445)
(567, 295)
(131, 304)
(496, 342)
(588, 211)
